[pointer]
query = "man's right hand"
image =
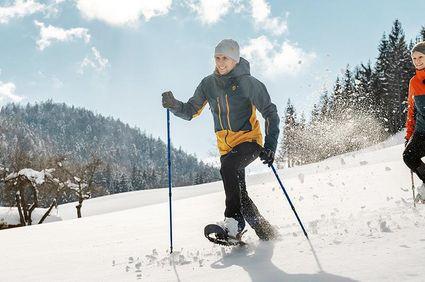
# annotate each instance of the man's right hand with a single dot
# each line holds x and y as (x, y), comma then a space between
(168, 100)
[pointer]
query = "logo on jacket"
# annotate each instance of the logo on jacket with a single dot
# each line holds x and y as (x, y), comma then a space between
(234, 87)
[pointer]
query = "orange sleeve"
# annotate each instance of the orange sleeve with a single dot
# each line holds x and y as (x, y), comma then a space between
(410, 121)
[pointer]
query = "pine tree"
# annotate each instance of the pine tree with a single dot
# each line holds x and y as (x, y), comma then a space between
(286, 149)
(380, 80)
(337, 100)
(422, 34)
(325, 106)
(393, 71)
(363, 77)
(399, 74)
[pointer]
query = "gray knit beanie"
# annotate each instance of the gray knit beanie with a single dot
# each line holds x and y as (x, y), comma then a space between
(229, 48)
(420, 47)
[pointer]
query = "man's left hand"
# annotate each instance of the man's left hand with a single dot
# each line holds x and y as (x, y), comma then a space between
(267, 156)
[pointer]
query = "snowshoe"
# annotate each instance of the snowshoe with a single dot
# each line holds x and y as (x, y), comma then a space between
(216, 234)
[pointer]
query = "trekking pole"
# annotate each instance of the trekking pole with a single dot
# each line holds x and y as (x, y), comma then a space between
(413, 188)
(289, 200)
(169, 180)
(299, 221)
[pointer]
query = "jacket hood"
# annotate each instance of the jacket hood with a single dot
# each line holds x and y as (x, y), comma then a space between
(241, 68)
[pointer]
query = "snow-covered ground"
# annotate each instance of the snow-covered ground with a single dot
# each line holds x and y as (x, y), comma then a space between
(357, 209)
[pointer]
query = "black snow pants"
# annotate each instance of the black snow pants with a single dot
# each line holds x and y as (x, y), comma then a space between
(238, 203)
(415, 150)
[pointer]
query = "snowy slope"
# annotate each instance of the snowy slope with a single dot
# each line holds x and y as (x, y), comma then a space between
(357, 209)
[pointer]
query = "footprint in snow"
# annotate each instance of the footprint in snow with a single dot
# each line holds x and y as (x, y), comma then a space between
(405, 246)
(387, 168)
(383, 226)
(363, 163)
(330, 184)
(342, 161)
(301, 177)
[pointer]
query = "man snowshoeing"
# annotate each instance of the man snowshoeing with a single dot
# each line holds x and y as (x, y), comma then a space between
(415, 124)
(234, 96)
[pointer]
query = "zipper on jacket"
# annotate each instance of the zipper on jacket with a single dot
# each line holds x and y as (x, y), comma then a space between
(228, 113)
(219, 113)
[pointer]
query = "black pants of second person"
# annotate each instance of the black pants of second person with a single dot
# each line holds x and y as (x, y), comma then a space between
(238, 203)
(415, 150)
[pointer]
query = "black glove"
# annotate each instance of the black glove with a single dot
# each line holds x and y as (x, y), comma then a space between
(168, 100)
(267, 156)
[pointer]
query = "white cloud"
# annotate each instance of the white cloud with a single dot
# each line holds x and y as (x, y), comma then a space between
(19, 9)
(95, 61)
(22, 8)
(276, 59)
(261, 14)
(51, 33)
(53, 8)
(210, 11)
(7, 92)
(123, 12)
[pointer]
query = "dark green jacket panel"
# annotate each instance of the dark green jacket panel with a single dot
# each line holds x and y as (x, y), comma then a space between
(193, 106)
(257, 93)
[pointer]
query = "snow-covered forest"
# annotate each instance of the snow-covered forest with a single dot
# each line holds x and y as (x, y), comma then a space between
(79, 144)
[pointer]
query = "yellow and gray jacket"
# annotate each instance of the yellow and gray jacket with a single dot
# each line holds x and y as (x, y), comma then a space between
(233, 99)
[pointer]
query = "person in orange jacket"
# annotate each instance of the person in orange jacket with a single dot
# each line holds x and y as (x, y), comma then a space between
(415, 123)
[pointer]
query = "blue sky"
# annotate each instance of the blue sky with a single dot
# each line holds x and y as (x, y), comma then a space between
(117, 57)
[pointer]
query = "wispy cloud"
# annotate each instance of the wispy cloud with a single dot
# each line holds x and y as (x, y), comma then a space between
(19, 9)
(7, 92)
(23, 8)
(261, 13)
(52, 9)
(55, 82)
(49, 34)
(123, 12)
(210, 11)
(95, 61)
(273, 59)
